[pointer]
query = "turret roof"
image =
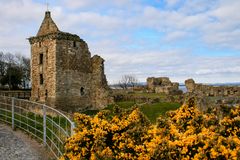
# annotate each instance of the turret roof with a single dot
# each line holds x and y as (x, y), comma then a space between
(48, 26)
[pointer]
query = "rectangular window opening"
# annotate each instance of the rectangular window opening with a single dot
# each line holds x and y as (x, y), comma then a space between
(74, 44)
(41, 78)
(41, 58)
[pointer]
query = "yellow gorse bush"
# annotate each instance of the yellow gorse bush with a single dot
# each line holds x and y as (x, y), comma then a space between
(182, 134)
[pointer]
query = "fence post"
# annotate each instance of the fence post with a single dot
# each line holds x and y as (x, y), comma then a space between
(44, 125)
(13, 113)
(72, 128)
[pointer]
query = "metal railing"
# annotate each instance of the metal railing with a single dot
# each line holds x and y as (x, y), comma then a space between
(16, 94)
(46, 124)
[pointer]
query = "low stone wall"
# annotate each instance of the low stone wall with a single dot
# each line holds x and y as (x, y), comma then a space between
(212, 96)
(213, 91)
(138, 98)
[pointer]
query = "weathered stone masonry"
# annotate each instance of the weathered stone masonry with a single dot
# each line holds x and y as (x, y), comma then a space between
(209, 96)
(163, 85)
(208, 90)
(63, 73)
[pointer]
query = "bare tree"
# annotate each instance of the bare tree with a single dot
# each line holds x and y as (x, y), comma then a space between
(10, 59)
(123, 83)
(128, 81)
(133, 81)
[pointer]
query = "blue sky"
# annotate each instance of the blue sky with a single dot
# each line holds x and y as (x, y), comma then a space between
(180, 39)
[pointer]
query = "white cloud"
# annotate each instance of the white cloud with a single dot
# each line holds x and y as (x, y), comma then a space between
(193, 7)
(18, 11)
(178, 65)
(16, 18)
(75, 4)
(110, 30)
(171, 3)
(172, 36)
(224, 30)
(166, 20)
(78, 4)
(175, 23)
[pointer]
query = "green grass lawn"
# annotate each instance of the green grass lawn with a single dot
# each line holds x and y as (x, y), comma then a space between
(90, 112)
(125, 104)
(148, 95)
(152, 111)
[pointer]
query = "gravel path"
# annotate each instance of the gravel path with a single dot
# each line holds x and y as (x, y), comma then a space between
(14, 145)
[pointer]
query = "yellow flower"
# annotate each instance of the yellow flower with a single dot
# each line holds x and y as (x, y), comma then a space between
(214, 154)
(184, 150)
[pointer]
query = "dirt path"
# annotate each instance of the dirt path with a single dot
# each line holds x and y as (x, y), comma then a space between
(15, 145)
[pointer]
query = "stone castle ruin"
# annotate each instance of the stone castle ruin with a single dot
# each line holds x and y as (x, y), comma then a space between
(63, 73)
(209, 96)
(163, 85)
(212, 91)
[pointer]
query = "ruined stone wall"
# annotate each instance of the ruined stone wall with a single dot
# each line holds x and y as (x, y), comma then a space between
(207, 90)
(100, 89)
(190, 85)
(63, 73)
(153, 82)
(73, 75)
(208, 96)
(73, 81)
(163, 85)
(42, 92)
(171, 89)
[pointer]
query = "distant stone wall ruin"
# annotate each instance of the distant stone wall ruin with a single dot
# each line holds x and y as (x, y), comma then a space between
(163, 85)
(209, 96)
(212, 91)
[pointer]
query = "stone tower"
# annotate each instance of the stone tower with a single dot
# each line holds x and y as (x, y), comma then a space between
(63, 73)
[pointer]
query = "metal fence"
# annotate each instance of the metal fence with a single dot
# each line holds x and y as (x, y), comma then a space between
(16, 94)
(46, 124)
